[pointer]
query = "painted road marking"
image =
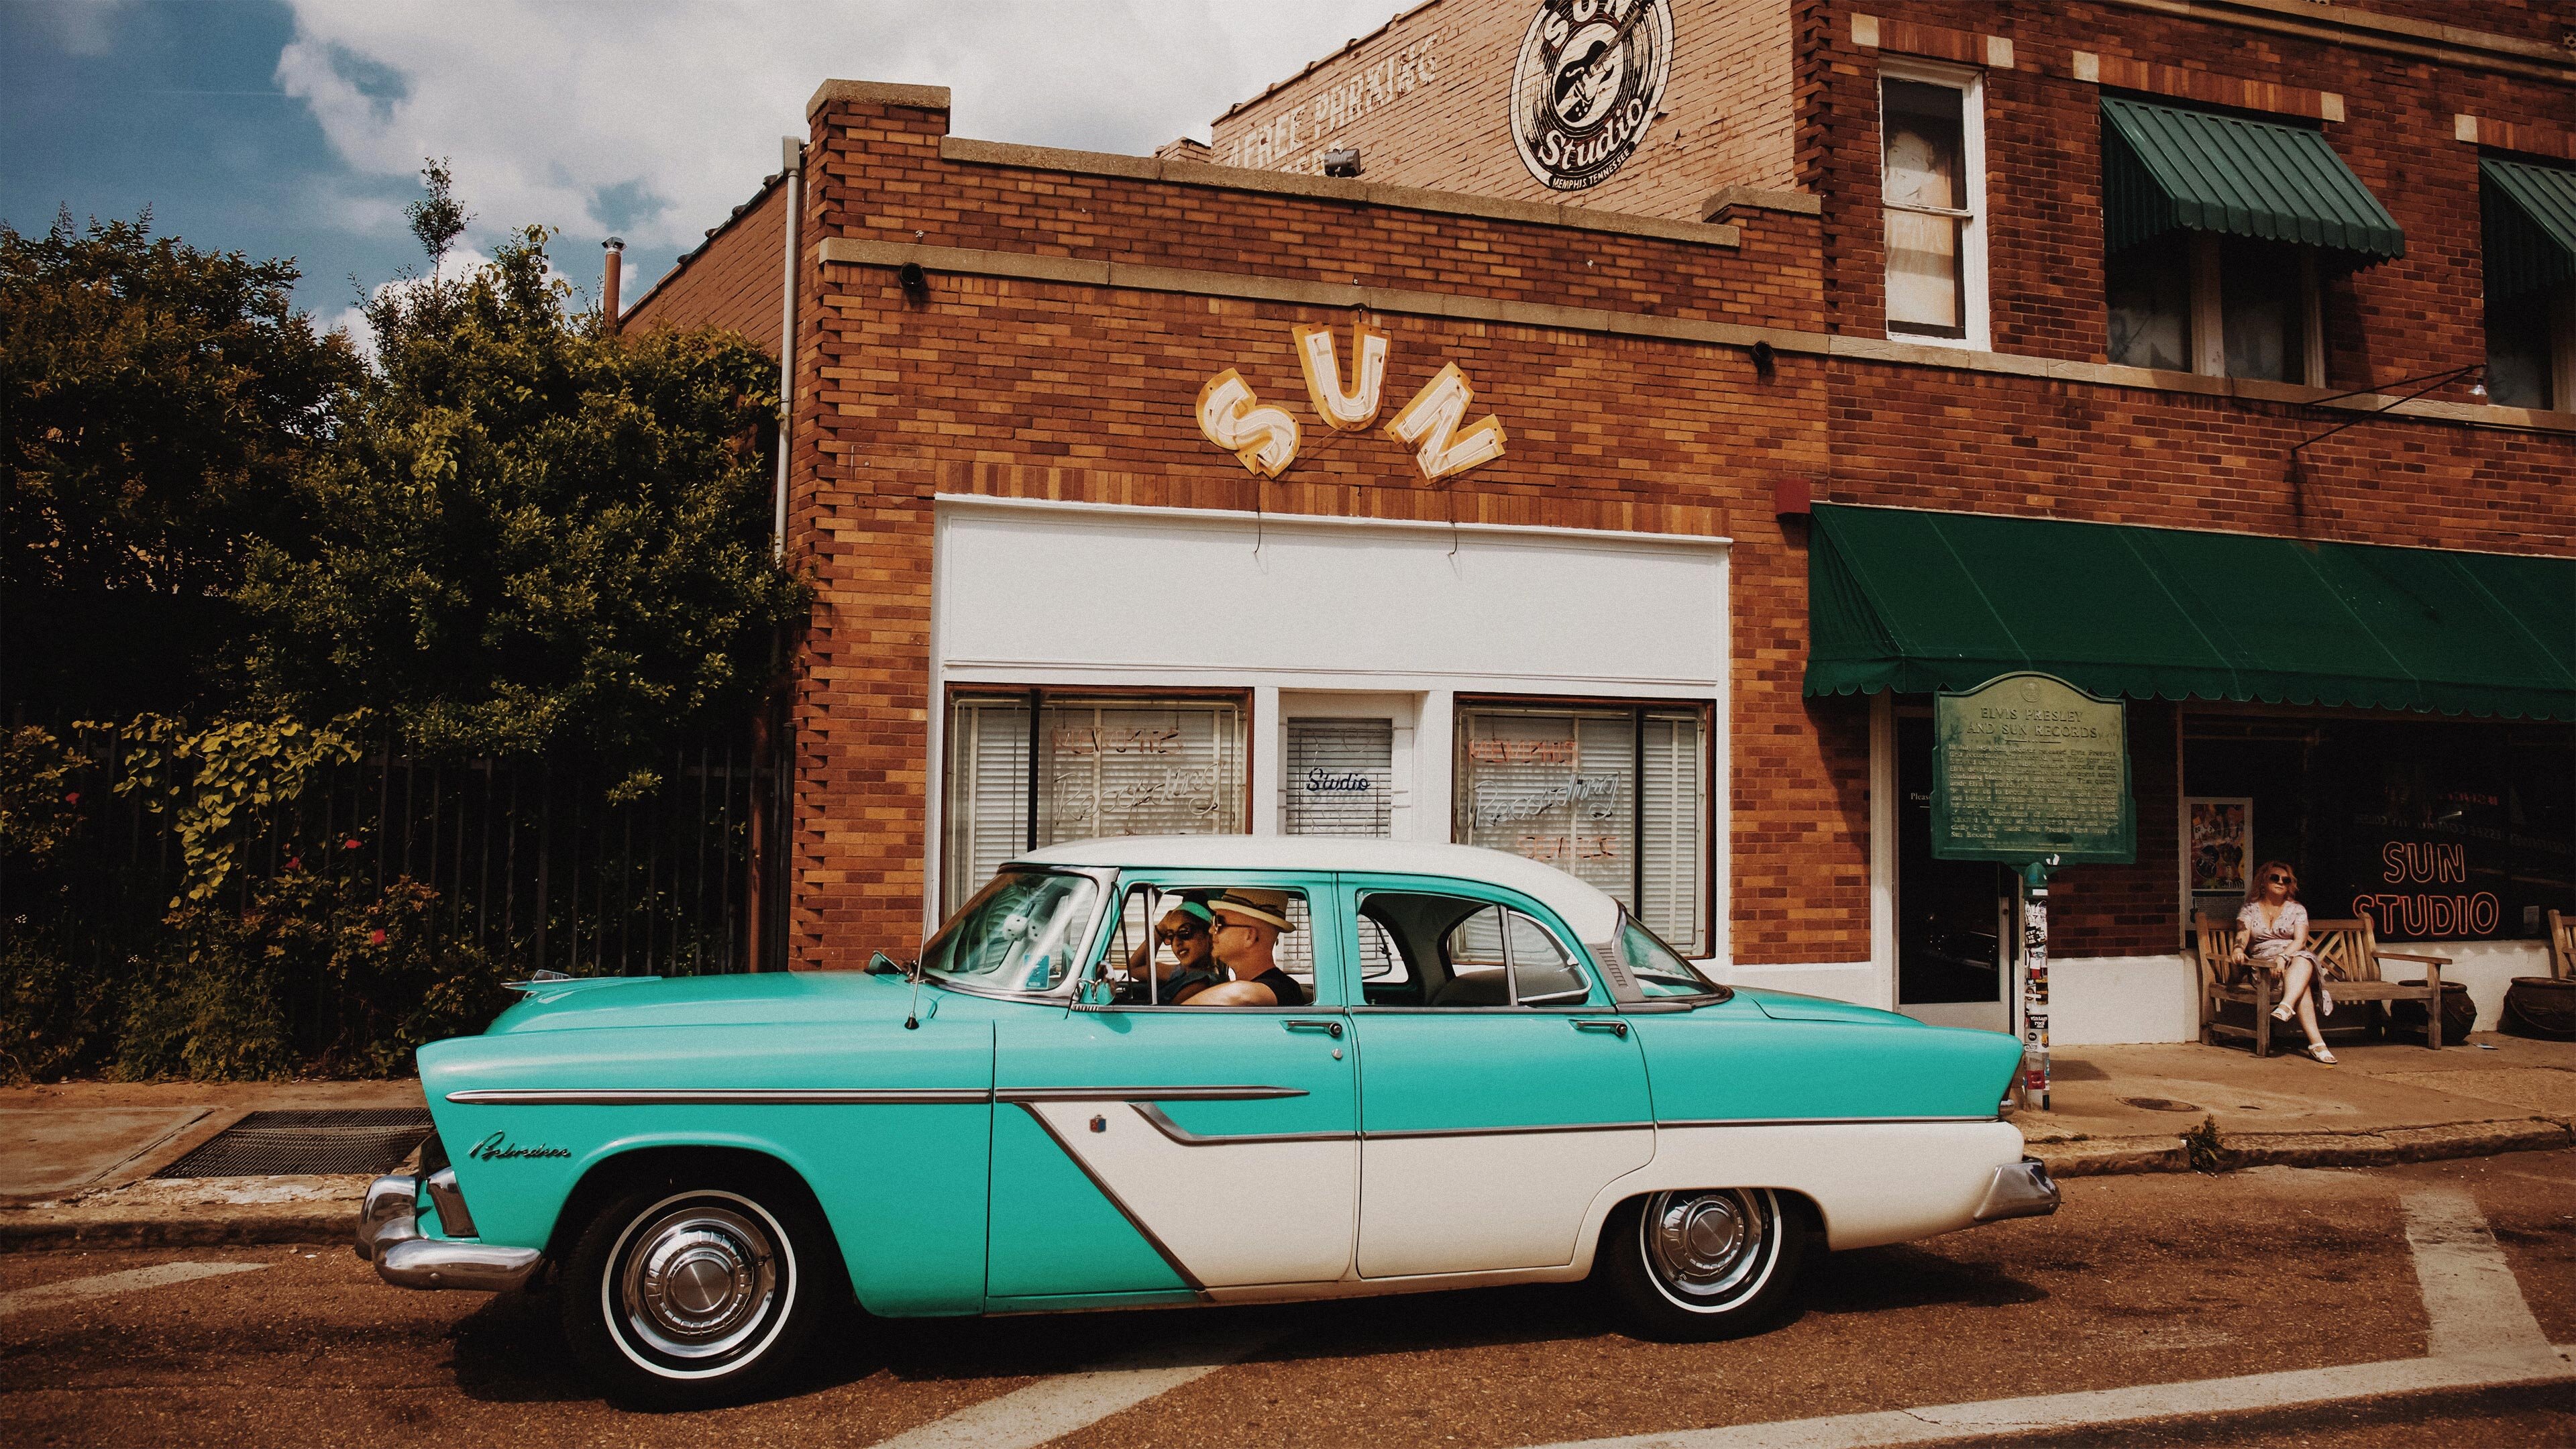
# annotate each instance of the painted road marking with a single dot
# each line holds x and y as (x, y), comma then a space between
(2470, 1296)
(1043, 1411)
(160, 1275)
(2480, 1330)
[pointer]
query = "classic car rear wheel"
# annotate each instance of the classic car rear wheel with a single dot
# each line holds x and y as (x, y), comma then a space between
(1703, 1262)
(683, 1296)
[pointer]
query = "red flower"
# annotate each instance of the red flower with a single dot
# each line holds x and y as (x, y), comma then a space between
(349, 844)
(376, 937)
(72, 798)
(293, 861)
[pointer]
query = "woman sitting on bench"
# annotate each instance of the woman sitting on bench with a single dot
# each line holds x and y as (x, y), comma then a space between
(2276, 942)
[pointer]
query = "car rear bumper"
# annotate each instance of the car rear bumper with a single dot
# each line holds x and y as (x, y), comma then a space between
(2020, 1190)
(389, 1236)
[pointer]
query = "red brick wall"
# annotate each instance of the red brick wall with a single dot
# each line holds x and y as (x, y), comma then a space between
(1726, 114)
(731, 283)
(2414, 315)
(1047, 389)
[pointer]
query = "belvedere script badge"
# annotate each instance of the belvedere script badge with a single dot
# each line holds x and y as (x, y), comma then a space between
(1590, 78)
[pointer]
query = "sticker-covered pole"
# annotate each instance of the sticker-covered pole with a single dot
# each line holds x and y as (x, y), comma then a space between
(2034, 982)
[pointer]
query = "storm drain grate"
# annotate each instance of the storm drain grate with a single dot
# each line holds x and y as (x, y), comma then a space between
(295, 1144)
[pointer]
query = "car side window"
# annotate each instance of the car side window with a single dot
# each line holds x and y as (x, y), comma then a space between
(1457, 952)
(1169, 926)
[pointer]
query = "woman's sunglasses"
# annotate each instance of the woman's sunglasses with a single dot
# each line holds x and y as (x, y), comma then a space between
(2279, 880)
(1176, 936)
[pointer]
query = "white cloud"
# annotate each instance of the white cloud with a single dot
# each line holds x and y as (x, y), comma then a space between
(81, 27)
(653, 119)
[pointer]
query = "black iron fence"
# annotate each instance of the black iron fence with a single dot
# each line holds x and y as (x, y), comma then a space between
(527, 861)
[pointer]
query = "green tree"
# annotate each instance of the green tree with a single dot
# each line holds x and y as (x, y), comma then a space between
(529, 535)
(157, 403)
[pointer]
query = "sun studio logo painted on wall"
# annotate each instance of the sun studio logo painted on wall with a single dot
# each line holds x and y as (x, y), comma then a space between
(1591, 74)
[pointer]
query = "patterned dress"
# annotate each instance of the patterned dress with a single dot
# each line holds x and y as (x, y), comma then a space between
(2271, 946)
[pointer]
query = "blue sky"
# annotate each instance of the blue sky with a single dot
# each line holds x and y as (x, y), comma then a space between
(297, 127)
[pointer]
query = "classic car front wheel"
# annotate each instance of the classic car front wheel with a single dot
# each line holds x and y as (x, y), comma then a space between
(678, 1296)
(1704, 1262)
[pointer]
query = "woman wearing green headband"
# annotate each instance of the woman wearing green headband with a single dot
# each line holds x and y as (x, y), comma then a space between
(1193, 969)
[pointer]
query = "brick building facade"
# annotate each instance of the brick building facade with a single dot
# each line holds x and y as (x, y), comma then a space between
(999, 346)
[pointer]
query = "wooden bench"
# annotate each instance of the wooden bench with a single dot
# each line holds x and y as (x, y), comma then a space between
(2226, 977)
(2562, 946)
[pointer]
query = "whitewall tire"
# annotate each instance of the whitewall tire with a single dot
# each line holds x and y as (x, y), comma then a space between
(680, 1296)
(1703, 1263)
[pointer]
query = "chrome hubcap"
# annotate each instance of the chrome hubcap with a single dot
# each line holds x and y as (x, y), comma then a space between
(1704, 1245)
(698, 1280)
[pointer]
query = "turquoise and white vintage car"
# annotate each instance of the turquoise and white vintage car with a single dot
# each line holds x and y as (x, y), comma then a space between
(1498, 1076)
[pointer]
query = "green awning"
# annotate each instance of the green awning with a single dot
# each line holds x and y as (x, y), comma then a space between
(2166, 169)
(1916, 601)
(2530, 226)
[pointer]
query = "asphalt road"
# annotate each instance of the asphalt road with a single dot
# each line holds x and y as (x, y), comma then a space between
(2158, 1280)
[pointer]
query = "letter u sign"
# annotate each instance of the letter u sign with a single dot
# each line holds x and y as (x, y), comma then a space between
(1265, 436)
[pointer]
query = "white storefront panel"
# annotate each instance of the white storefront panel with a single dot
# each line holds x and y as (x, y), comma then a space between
(1360, 656)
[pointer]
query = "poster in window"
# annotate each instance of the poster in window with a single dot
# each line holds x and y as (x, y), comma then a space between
(2222, 842)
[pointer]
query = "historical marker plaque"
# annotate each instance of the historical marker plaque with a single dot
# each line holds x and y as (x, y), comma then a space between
(2027, 766)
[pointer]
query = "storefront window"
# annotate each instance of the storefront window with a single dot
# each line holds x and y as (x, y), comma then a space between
(2435, 830)
(1104, 766)
(1613, 795)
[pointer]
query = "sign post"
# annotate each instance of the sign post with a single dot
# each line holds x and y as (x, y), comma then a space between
(2031, 772)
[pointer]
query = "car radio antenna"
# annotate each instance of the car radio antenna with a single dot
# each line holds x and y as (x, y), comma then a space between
(912, 1008)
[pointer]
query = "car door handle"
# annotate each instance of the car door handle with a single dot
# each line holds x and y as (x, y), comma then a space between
(1329, 1028)
(1615, 1028)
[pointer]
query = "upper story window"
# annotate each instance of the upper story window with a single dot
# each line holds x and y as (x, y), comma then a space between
(2216, 231)
(2530, 233)
(1932, 189)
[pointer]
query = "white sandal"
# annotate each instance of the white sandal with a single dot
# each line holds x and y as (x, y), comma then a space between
(2281, 1013)
(2321, 1055)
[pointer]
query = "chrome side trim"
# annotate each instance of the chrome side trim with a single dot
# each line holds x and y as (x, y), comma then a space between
(713, 1096)
(1162, 1122)
(2021, 1190)
(1508, 1131)
(1025, 1095)
(449, 1199)
(1143, 1229)
(1819, 1121)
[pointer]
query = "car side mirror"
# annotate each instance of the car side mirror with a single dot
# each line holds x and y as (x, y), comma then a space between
(881, 964)
(1094, 992)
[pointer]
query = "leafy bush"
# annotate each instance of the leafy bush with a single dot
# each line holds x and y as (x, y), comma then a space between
(316, 976)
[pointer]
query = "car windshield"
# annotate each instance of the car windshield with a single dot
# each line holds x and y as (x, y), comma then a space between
(1660, 970)
(1019, 933)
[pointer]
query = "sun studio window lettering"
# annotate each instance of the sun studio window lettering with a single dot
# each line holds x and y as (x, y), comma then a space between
(1121, 766)
(1616, 796)
(1340, 778)
(1924, 188)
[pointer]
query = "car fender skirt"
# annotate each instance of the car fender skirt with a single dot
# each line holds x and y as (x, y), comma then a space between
(1874, 1182)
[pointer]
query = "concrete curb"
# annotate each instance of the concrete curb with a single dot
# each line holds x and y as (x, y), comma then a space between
(34, 1230)
(2389, 1147)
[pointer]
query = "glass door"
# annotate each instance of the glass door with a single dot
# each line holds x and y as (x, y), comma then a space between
(1953, 917)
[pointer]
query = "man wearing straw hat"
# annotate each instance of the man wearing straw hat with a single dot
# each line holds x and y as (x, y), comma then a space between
(1249, 922)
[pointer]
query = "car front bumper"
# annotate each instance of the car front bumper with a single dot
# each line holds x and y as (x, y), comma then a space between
(389, 1236)
(2020, 1190)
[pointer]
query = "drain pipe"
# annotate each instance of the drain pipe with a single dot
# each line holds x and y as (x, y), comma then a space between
(791, 157)
(615, 265)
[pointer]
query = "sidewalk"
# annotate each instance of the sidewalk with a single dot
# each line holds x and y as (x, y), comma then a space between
(2142, 1108)
(76, 1160)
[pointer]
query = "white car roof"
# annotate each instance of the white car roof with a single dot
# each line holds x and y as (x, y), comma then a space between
(1593, 915)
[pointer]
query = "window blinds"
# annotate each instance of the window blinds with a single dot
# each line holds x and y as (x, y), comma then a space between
(1559, 784)
(1104, 767)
